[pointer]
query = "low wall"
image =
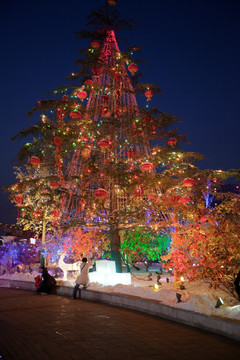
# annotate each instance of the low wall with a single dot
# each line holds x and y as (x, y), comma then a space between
(221, 326)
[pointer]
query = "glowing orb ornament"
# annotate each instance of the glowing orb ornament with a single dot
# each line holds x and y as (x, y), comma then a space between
(188, 182)
(133, 68)
(148, 94)
(34, 160)
(172, 142)
(82, 95)
(100, 194)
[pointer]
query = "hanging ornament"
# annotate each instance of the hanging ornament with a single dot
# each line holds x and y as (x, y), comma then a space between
(54, 184)
(184, 200)
(133, 68)
(75, 114)
(148, 118)
(34, 160)
(112, 2)
(82, 95)
(60, 113)
(37, 214)
(100, 194)
(172, 142)
(95, 44)
(18, 199)
(57, 141)
(148, 94)
(105, 99)
(104, 144)
(118, 76)
(188, 182)
(64, 98)
(86, 152)
(88, 82)
(147, 166)
(138, 191)
(131, 153)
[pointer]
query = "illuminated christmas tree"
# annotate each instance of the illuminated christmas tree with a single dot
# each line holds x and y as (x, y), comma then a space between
(96, 143)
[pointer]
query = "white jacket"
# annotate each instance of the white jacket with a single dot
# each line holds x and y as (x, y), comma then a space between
(83, 278)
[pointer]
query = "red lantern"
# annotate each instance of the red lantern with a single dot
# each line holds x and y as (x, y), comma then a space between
(112, 2)
(75, 115)
(118, 76)
(54, 184)
(148, 94)
(19, 199)
(131, 153)
(57, 141)
(64, 98)
(82, 95)
(188, 182)
(148, 119)
(104, 144)
(86, 152)
(60, 113)
(172, 142)
(95, 44)
(105, 99)
(34, 160)
(100, 193)
(147, 166)
(133, 68)
(138, 191)
(36, 214)
(184, 200)
(88, 82)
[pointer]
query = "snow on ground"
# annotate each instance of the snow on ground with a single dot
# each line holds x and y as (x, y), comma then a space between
(197, 296)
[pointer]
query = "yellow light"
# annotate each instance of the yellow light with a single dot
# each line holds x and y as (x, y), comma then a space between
(156, 286)
(182, 278)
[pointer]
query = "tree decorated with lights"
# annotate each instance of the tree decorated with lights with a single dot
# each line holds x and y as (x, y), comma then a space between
(96, 144)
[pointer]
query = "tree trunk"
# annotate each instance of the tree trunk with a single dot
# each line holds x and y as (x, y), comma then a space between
(42, 261)
(115, 247)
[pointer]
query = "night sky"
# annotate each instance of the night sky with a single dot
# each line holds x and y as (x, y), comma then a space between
(192, 52)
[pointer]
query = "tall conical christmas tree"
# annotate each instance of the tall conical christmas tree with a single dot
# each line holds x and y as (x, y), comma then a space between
(109, 174)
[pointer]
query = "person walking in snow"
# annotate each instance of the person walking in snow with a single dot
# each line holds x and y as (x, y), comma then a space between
(83, 278)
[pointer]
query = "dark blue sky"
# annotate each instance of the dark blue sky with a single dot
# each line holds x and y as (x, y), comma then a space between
(192, 53)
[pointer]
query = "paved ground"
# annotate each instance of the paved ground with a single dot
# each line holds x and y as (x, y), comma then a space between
(34, 327)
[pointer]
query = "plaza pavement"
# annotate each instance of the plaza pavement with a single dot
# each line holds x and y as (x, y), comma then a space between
(49, 327)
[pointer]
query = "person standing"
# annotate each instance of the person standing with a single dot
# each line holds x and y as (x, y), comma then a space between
(83, 278)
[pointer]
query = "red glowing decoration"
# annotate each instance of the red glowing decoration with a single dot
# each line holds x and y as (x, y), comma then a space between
(37, 214)
(19, 199)
(86, 152)
(104, 144)
(60, 113)
(82, 95)
(88, 82)
(55, 213)
(95, 44)
(148, 118)
(118, 76)
(57, 141)
(148, 94)
(34, 160)
(64, 98)
(133, 68)
(188, 182)
(105, 99)
(96, 71)
(172, 142)
(138, 191)
(147, 166)
(131, 153)
(75, 115)
(184, 200)
(100, 193)
(112, 2)
(54, 184)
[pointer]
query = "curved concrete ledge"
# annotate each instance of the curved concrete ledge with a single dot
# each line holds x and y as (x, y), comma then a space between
(221, 326)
